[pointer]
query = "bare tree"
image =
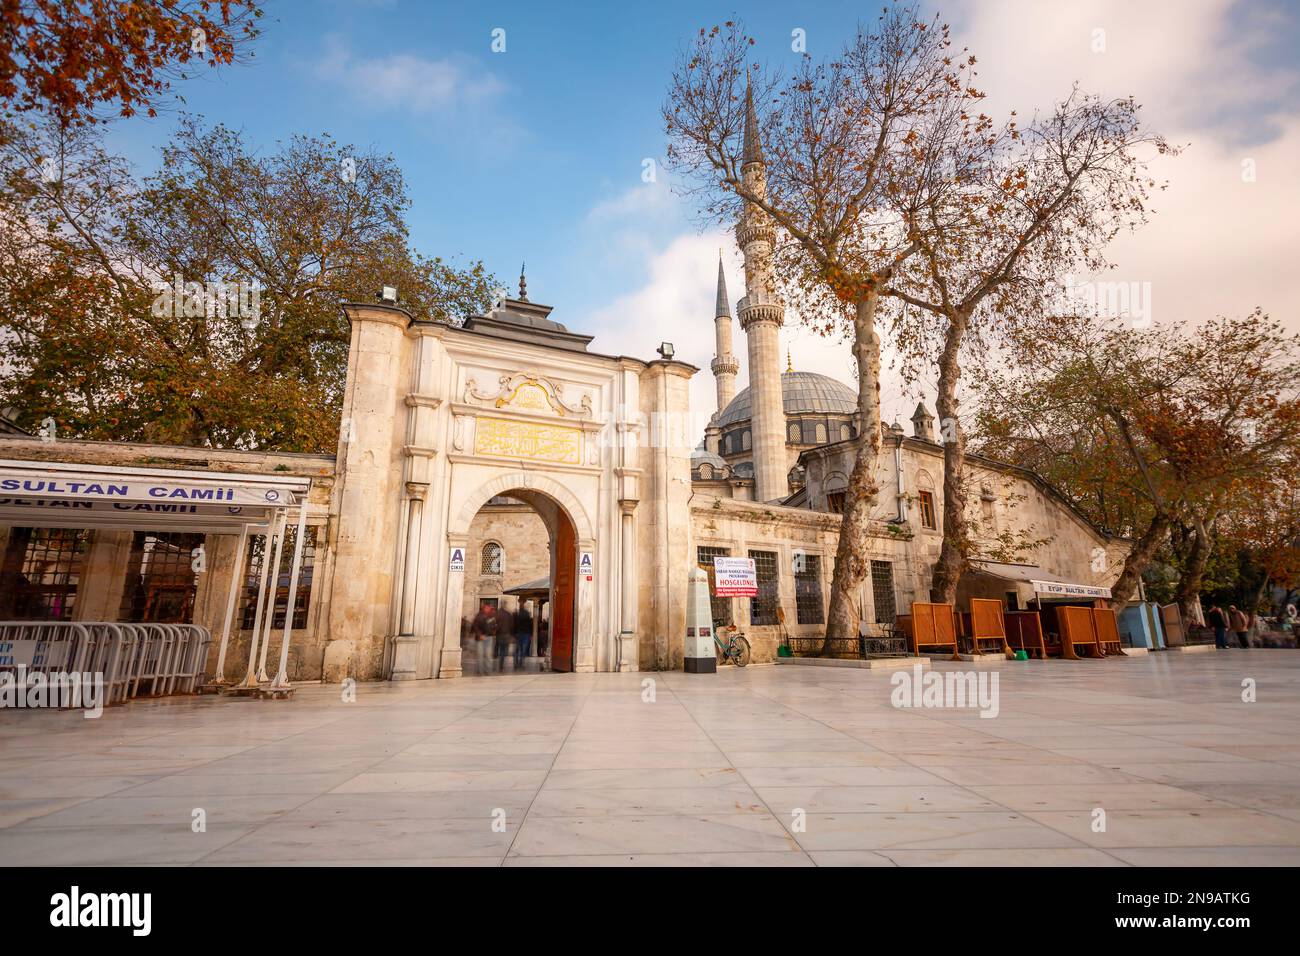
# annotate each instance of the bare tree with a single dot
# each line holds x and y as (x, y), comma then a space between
(1002, 224)
(838, 139)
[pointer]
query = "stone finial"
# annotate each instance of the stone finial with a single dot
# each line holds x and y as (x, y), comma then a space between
(523, 284)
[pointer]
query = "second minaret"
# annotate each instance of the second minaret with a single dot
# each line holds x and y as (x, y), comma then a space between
(761, 315)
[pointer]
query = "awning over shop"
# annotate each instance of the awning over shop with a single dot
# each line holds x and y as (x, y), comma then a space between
(1031, 578)
(64, 495)
(78, 495)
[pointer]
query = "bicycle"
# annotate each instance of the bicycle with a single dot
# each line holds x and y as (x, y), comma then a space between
(735, 649)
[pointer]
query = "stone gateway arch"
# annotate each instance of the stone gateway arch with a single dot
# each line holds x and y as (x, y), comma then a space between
(438, 420)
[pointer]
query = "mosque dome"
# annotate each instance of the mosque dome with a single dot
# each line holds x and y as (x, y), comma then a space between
(702, 456)
(802, 393)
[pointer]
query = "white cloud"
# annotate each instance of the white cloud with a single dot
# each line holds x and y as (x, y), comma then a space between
(408, 82)
(1215, 245)
(676, 304)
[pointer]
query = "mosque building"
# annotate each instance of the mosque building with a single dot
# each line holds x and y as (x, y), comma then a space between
(504, 462)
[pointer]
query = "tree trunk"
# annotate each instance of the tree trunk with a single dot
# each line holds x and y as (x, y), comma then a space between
(953, 553)
(1189, 582)
(853, 556)
(1138, 559)
(1260, 593)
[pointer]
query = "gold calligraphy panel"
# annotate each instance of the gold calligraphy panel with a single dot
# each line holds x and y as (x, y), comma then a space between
(511, 439)
(528, 395)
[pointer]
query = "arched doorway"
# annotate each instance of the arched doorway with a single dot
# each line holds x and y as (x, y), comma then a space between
(520, 587)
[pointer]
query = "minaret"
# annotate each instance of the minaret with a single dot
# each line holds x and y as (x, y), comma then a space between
(761, 314)
(724, 365)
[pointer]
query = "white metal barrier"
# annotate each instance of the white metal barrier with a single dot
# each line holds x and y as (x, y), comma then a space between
(134, 659)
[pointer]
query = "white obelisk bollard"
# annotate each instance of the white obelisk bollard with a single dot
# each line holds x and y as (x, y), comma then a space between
(699, 655)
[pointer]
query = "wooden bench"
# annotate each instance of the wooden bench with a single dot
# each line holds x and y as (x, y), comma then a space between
(930, 626)
(984, 625)
(1106, 623)
(1078, 632)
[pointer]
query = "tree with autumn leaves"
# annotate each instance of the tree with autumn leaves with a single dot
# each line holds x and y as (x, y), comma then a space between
(96, 341)
(80, 61)
(901, 207)
(1147, 429)
(89, 255)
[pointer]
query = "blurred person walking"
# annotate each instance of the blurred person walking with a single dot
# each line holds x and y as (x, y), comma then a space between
(1219, 621)
(1240, 625)
(523, 635)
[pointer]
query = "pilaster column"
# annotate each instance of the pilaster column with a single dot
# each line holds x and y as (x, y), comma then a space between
(405, 650)
(627, 657)
(449, 664)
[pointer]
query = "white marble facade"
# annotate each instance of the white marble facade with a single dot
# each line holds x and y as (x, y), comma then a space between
(440, 419)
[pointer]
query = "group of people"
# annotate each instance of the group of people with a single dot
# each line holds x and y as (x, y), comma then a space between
(494, 632)
(1222, 620)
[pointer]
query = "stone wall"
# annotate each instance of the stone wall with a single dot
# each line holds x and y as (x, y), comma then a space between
(743, 526)
(523, 536)
(1015, 517)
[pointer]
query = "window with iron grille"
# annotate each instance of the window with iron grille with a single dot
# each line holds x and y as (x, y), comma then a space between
(808, 590)
(882, 591)
(41, 571)
(161, 582)
(493, 559)
(253, 575)
(762, 609)
(719, 607)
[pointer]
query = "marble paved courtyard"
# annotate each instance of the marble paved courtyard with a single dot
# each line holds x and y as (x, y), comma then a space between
(715, 769)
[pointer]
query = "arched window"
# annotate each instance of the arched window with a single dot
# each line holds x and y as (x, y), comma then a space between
(793, 432)
(494, 559)
(744, 441)
(925, 501)
(845, 433)
(821, 433)
(706, 472)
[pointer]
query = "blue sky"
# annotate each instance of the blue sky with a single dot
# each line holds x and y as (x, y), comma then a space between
(537, 153)
(510, 157)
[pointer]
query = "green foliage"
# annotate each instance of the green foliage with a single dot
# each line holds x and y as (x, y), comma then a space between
(88, 255)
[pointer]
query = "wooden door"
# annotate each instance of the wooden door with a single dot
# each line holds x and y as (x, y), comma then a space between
(562, 595)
